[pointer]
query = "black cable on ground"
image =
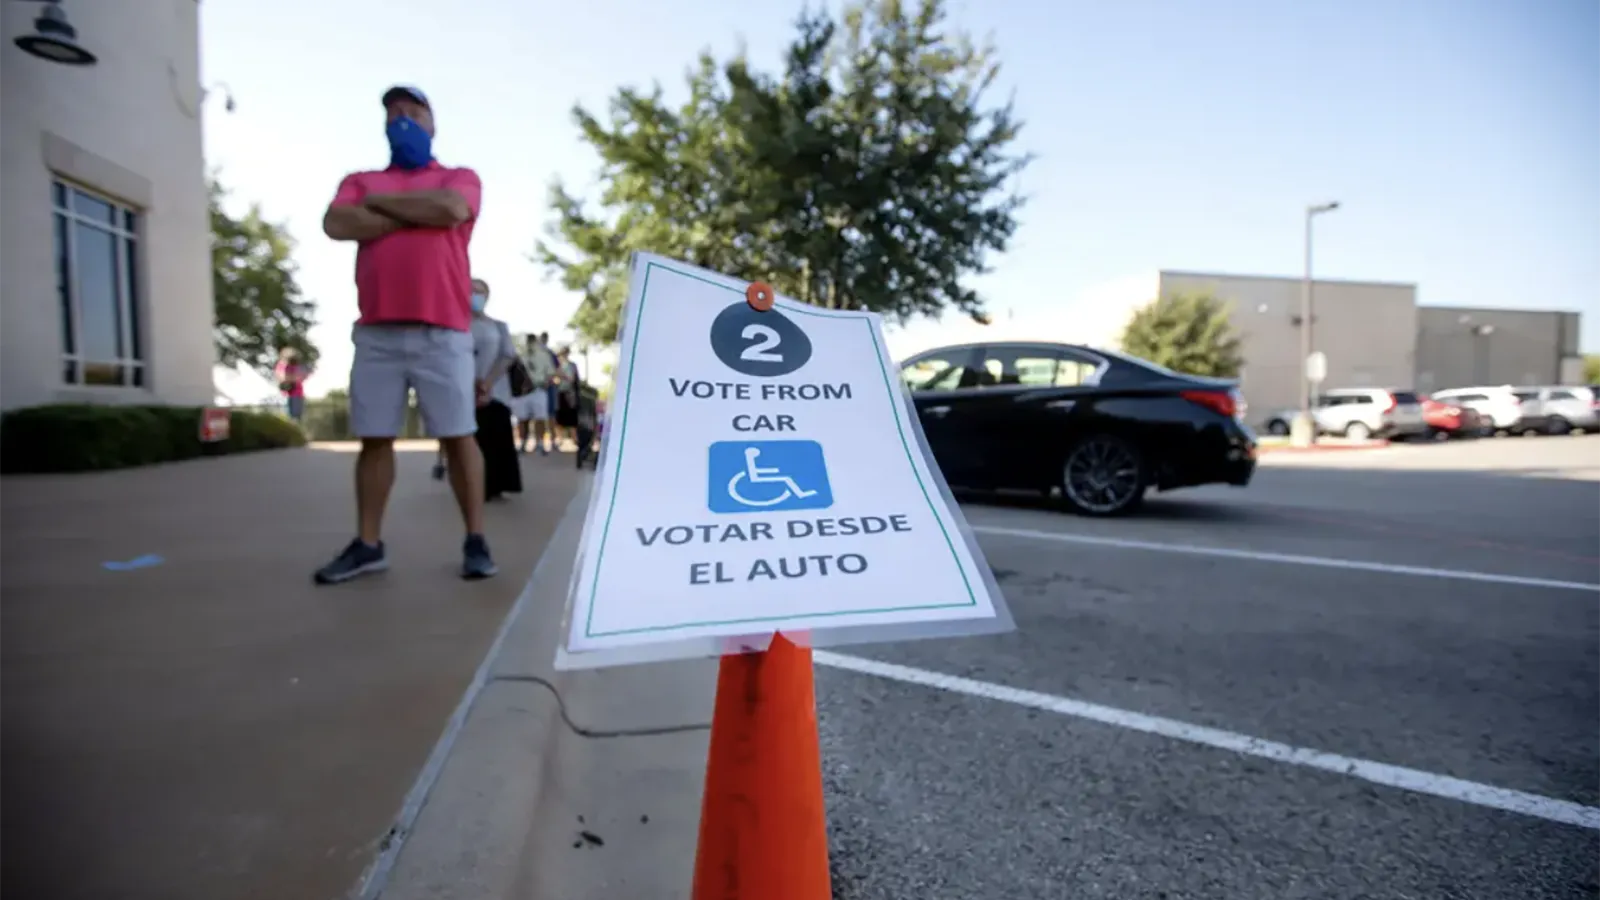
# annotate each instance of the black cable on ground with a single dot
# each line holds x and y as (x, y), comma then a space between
(581, 731)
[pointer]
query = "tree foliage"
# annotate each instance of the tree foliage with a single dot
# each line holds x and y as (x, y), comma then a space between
(259, 307)
(1591, 368)
(871, 173)
(1186, 332)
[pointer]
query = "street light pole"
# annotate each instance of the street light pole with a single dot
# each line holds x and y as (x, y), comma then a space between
(1307, 310)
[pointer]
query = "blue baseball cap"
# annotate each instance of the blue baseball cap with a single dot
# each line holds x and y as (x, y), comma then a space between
(405, 92)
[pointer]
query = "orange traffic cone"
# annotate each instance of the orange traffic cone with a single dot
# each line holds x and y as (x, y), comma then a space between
(763, 829)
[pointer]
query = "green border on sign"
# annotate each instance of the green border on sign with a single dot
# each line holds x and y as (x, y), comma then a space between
(622, 438)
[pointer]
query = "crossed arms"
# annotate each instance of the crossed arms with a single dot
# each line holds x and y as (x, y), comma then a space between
(355, 216)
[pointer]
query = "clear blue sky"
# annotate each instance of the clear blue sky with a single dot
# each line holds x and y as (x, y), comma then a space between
(1461, 136)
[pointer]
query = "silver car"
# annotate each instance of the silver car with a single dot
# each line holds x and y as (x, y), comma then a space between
(1559, 409)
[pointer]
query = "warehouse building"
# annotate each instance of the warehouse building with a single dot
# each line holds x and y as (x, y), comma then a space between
(105, 273)
(1368, 330)
(1375, 335)
(1462, 346)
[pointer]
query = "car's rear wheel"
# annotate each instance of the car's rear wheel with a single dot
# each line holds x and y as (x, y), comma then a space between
(1103, 475)
(1278, 427)
(1558, 425)
(1357, 431)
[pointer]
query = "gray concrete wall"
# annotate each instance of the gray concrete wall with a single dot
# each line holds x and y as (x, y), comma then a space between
(1367, 329)
(1461, 346)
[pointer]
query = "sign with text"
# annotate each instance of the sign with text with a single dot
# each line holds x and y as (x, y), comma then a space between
(214, 424)
(1317, 367)
(762, 472)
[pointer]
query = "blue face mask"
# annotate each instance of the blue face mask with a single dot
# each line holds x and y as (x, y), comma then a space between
(410, 146)
(479, 301)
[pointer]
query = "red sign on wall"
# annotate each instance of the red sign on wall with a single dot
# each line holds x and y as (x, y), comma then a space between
(213, 424)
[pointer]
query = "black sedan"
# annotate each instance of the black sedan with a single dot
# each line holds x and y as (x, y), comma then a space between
(1101, 427)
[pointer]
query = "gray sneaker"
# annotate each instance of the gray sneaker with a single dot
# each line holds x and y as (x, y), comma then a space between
(476, 562)
(357, 559)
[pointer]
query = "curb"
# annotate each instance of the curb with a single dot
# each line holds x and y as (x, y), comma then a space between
(560, 785)
(376, 880)
(1322, 447)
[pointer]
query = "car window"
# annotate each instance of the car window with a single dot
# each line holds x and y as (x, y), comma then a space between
(1525, 395)
(1405, 397)
(1563, 395)
(1031, 367)
(1467, 398)
(1072, 372)
(1357, 399)
(939, 372)
(1036, 371)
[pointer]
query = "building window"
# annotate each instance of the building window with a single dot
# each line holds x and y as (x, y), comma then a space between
(97, 280)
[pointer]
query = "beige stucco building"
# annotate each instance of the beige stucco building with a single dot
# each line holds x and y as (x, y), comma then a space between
(105, 274)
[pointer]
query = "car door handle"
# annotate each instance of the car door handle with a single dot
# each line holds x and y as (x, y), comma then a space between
(937, 411)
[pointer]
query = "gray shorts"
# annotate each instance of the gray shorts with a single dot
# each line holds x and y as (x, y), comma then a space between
(391, 360)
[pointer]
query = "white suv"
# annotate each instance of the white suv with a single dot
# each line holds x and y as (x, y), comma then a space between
(1361, 413)
(1500, 409)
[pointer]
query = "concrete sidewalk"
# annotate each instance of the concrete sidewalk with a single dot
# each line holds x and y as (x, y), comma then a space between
(215, 727)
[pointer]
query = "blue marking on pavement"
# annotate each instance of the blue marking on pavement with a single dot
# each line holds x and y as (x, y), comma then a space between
(138, 562)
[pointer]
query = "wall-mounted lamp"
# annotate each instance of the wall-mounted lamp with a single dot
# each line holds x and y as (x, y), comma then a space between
(55, 39)
(191, 108)
(227, 95)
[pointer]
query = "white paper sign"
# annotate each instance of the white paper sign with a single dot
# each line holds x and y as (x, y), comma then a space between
(761, 472)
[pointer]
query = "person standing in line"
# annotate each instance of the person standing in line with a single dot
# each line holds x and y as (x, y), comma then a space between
(533, 409)
(553, 389)
(412, 223)
(291, 377)
(567, 398)
(493, 353)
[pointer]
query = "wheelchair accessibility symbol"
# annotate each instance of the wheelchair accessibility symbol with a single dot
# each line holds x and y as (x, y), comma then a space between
(767, 476)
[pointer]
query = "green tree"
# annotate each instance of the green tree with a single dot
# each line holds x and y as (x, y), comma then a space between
(871, 173)
(1591, 368)
(1186, 332)
(259, 307)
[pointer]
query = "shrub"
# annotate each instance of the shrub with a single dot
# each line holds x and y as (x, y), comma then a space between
(83, 438)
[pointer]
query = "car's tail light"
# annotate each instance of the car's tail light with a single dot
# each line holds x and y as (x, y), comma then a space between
(1392, 403)
(1224, 402)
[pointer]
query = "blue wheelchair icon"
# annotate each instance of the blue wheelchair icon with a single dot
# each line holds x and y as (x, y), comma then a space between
(767, 476)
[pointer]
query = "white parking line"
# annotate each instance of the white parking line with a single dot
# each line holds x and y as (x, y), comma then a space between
(1290, 558)
(1417, 781)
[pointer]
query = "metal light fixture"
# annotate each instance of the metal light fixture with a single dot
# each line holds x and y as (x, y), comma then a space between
(1305, 431)
(55, 39)
(227, 95)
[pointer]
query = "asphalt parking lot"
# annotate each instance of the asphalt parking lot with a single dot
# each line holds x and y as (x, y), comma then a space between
(1371, 674)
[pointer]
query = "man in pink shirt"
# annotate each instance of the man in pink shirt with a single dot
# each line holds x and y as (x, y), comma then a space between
(412, 223)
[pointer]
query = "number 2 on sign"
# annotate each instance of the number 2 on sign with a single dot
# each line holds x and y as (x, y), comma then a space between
(764, 340)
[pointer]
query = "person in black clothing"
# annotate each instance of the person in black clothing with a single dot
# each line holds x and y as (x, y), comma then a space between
(493, 352)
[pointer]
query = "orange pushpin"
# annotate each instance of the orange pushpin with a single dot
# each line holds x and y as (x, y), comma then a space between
(759, 295)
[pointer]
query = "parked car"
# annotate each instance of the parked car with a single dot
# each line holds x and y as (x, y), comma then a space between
(1101, 427)
(1558, 409)
(1534, 418)
(1361, 413)
(1447, 420)
(1498, 407)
